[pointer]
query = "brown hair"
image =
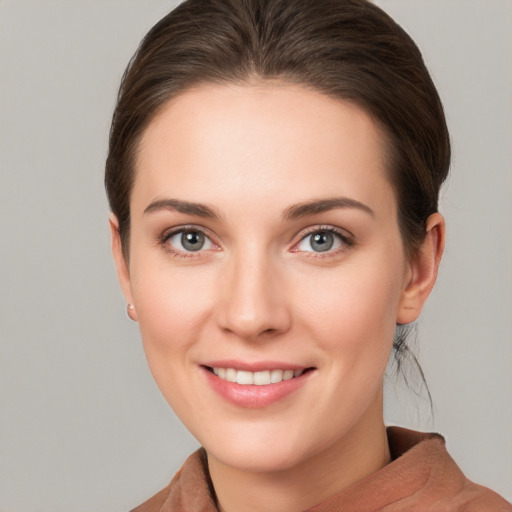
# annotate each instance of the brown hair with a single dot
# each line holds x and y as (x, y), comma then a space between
(347, 49)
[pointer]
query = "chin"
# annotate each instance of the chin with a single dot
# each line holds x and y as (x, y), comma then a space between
(260, 460)
(260, 453)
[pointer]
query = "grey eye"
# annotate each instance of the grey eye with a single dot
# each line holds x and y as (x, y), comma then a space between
(190, 240)
(320, 241)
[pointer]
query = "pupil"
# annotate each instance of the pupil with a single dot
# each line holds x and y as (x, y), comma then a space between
(192, 240)
(322, 241)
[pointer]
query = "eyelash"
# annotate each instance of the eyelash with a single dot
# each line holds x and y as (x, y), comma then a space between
(347, 241)
(163, 240)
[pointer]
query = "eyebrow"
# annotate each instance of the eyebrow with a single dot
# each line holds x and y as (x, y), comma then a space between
(323, 205)
(295, 211)
(198, 209)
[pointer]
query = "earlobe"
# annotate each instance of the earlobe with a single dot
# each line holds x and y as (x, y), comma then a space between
(123, 271)
(424, 266)
(130, 311)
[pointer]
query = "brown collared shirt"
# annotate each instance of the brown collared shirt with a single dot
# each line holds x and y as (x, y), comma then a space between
(422, 477)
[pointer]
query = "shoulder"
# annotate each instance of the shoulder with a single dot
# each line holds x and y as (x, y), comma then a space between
(440, 485)
(155, 503)
(189, 490)
(481, 499)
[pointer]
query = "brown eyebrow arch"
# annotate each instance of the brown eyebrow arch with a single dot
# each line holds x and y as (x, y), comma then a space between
(201, 210)
(322, 205)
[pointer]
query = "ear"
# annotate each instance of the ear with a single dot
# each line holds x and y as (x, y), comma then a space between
(424, 265)
(123, 270)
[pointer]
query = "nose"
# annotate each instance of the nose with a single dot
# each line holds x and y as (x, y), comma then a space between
(252, 301)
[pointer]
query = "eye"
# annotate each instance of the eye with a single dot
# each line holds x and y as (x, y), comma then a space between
(322, 240)
(189, 240)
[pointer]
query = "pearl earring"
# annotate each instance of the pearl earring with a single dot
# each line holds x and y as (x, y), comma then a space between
(130, 309)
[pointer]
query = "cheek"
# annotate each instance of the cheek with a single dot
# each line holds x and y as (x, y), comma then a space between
(353, 310)
(172, 306)
(352, 320)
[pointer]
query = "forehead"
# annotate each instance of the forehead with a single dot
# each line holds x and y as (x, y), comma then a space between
(262, 142)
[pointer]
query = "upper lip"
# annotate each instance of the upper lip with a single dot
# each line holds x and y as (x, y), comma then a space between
(257, 366)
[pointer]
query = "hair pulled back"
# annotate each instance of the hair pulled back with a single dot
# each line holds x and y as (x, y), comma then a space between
(347, 49)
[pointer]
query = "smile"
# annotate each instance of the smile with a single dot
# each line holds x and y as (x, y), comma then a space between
(261, 378)
(256, 387)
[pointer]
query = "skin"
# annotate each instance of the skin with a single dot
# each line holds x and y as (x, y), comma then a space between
(258, 291)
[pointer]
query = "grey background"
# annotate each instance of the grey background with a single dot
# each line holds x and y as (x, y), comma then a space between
(82, 425)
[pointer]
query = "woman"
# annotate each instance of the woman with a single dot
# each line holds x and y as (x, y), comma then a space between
(273, 174)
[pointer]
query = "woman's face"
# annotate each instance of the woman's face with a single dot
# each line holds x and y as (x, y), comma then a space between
(264, 244)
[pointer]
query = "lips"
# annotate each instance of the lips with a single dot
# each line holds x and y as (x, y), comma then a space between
(255, 386)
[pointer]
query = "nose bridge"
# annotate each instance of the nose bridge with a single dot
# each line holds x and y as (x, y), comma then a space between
(252, 303)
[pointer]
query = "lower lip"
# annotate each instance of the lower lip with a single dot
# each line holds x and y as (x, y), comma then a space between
(252, 396)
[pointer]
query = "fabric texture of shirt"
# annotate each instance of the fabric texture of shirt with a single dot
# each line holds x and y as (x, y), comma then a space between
(422, 477)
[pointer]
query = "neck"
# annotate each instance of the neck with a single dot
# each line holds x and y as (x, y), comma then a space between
(359, 453)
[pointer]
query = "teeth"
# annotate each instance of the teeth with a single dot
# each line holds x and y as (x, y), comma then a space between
(262, 378)
(288, 374)
(276, 376)
(244, 377)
